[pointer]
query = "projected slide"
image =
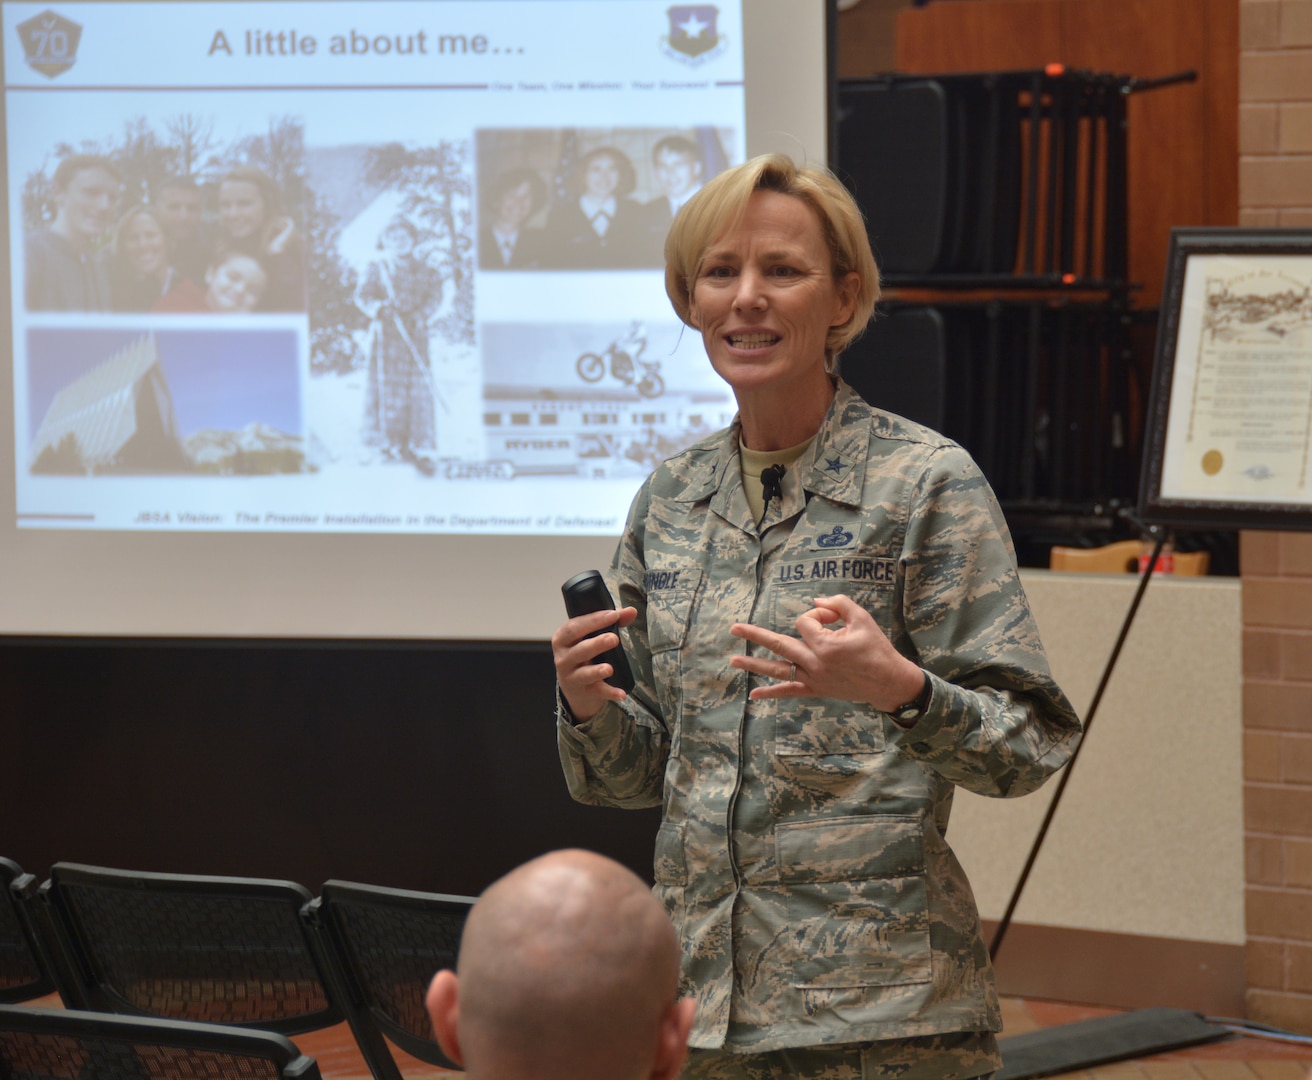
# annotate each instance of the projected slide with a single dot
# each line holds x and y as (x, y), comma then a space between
(391, 267)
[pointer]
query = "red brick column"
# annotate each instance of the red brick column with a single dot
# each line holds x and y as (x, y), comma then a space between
(1275, 189)
(1275, 113)
(1277, 702)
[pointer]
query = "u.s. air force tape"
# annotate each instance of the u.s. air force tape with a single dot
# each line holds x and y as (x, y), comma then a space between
(874, 571)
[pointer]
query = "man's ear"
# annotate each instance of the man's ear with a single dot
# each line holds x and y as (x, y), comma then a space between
(673, 1045)
(443, 1003)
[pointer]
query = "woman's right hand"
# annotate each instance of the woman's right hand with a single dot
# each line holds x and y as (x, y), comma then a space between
(582, 682)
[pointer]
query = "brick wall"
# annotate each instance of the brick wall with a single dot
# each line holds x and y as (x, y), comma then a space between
(1275, 113)
(1277, 613)
(1275, 189)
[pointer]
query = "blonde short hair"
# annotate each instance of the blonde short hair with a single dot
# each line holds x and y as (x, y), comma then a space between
(720, 205)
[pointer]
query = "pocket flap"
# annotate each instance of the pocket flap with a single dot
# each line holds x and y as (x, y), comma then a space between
(670, 593)
(851, 848)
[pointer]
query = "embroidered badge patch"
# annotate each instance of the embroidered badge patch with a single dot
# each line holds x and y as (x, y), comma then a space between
(835, 538)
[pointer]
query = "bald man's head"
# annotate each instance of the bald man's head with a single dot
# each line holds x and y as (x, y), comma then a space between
(568, 967)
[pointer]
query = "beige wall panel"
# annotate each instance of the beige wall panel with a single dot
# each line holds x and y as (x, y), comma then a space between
(1149, 836)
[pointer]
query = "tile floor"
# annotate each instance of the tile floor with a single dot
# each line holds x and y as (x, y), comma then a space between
(1239, 1058)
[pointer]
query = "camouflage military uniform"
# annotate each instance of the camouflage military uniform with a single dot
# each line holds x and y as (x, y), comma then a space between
(801, 853)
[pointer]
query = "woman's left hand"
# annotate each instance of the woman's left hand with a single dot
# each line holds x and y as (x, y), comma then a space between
(855, 662)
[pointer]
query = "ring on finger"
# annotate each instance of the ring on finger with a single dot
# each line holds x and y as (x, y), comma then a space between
(792, 672)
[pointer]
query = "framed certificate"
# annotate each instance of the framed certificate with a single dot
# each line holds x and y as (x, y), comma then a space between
(1228, 436)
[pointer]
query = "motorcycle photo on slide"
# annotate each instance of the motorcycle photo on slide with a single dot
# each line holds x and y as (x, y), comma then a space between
(624, 359)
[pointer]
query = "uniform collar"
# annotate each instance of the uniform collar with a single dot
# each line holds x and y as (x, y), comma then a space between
(833, 467)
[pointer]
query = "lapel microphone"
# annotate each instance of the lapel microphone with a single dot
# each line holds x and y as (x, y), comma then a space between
(771, 476)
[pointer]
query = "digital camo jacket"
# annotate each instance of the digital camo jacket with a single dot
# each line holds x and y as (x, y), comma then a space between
(802, 852)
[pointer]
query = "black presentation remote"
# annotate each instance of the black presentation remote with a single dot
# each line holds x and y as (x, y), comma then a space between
(587, 592)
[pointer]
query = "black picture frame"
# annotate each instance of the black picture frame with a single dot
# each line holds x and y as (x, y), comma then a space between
(1230, 403)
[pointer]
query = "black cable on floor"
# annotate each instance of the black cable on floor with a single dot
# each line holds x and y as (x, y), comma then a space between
(1253, 1029)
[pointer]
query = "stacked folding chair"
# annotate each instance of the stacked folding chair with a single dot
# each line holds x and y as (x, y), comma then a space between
(996, 205)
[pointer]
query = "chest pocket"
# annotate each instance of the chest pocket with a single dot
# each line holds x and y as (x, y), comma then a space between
(670, 595)
(811, 727)
(671, 592)
(868, 580)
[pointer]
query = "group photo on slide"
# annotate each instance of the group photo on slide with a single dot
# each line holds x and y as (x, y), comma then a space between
(166, 219)
(589, 199)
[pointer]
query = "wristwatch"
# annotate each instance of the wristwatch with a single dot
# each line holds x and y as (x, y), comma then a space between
(911, 711)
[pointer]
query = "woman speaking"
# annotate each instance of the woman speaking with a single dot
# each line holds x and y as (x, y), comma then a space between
(822, 610)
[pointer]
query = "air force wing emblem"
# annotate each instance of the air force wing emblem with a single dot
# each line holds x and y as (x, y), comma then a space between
(693, 35)
(49, 42)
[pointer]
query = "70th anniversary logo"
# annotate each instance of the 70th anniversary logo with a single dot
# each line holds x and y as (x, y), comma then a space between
(50, 42)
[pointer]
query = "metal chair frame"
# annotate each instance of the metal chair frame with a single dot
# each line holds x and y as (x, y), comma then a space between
(186, 947)
(386, 945)
(49, 1044)
(24, 966)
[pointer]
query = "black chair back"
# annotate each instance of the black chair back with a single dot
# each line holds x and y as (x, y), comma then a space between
(387, 945)
(220, 950)
(24, 972)
(64, 1044)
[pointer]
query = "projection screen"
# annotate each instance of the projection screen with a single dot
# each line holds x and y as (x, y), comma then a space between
(315, 329)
